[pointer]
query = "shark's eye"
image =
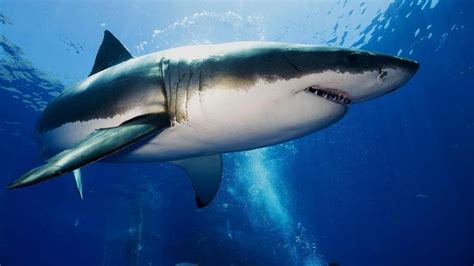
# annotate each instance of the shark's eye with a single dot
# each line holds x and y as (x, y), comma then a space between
(353, 58)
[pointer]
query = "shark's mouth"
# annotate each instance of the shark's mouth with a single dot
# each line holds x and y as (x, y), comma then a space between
(332, 95)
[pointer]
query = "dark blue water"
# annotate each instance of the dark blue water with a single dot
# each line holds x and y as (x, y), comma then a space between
(390, 184)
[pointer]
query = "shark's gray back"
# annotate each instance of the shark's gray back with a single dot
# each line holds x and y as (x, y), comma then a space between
(166, 80)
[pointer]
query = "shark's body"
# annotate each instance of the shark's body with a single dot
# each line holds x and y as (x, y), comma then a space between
(206, 100)
(212, 111)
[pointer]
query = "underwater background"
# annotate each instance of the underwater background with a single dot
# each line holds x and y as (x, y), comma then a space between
(392, 183)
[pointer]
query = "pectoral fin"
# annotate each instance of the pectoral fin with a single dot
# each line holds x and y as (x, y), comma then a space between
(205, 173)
(96, 146)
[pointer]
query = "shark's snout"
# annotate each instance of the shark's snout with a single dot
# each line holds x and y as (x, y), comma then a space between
(401, 70)
(385, 74)
(409, 68)
(410, 65)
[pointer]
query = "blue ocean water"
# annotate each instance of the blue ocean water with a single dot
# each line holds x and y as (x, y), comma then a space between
(392, 183)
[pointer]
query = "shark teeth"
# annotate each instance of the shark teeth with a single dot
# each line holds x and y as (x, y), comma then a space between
(330, 94)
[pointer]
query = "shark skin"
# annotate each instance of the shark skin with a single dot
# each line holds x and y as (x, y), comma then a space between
(207, 100)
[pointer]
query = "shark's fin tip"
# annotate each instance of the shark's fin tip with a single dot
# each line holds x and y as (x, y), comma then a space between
(78, 179)
(111, 53)
(205, 173)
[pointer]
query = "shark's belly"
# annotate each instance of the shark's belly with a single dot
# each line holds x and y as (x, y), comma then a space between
(217, 120)
(228, 120)
(191, 139)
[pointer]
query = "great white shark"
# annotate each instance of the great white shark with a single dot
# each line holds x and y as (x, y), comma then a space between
(189, 105)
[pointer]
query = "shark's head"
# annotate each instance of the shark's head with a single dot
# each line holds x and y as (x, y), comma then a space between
(323, 82)
(337, 74)
(347, 76)
(303, 88)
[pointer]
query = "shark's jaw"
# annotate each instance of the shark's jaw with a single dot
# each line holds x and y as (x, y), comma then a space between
(333, 95)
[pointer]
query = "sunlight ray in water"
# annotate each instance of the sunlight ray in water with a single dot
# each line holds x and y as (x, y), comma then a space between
(261, 174)
(260, 178)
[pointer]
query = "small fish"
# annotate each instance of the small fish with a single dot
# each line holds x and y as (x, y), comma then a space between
(422, 196)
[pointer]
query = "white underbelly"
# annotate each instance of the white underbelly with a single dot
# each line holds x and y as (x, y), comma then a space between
(191, 139)
(218, 121)
(226, 120)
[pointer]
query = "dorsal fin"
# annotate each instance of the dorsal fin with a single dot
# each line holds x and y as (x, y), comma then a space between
(111, 53)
